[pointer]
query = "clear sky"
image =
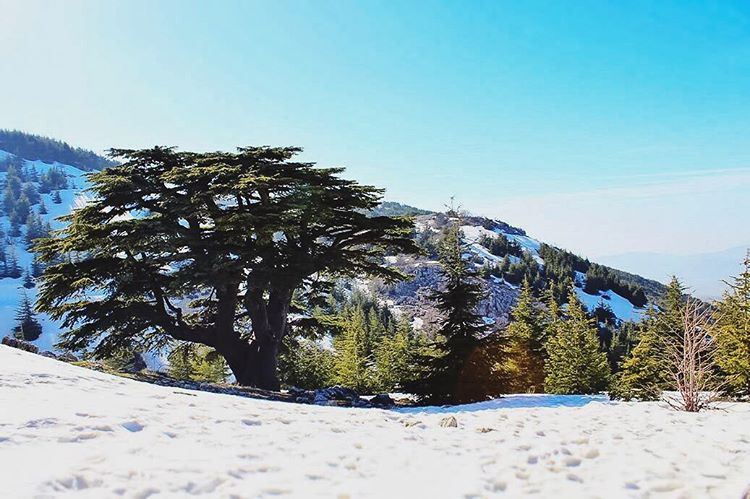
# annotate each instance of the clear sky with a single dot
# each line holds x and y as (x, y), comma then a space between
(603, 127)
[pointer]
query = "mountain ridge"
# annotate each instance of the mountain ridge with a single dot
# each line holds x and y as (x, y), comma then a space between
(502, 254)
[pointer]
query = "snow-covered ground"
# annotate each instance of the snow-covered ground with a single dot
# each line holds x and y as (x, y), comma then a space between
(68, 431)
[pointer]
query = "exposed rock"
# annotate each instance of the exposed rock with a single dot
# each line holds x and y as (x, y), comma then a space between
(339, 396)
(20, 344)
(47, 353)
(383, 401)
(67, 357)
(449, 422)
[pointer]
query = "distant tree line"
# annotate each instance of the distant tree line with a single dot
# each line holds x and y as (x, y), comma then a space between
(36, 147)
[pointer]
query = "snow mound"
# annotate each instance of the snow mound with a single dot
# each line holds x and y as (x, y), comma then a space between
(66, 431)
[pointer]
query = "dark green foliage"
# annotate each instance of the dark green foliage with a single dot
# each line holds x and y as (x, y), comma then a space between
(499, 245)
(560, 267)
(449, 372)
(733, 333)
(11, 268)
(56, 198)
(575, 364)
(644, 373)
(27, 326)
(393, 209)
(36, 228)
(232, 234)
(526, 269)
(306, 364)
(33, 147)
(523, 363)
(28, 280)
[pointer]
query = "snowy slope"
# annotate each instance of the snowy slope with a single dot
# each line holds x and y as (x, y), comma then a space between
(11, 289)
(621, 307)
(67, 431)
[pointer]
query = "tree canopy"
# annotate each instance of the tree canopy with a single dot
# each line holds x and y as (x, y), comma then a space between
(209, 248)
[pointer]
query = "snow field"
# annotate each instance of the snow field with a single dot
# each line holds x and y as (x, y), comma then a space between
(67, 431)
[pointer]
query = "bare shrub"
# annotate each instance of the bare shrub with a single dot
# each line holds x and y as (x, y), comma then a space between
(690, 359)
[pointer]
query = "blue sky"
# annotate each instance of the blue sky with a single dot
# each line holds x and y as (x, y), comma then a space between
(603, 127)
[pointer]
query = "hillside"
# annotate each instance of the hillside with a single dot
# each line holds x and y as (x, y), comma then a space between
(35, 147)
(112, 436)
(57, 197)
(503, 255)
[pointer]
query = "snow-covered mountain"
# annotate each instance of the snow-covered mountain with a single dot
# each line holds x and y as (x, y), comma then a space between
(12, 289)
(493, 244)
(503, 253)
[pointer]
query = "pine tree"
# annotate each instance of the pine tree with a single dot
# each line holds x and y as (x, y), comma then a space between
(42, 207)
(733, 333)
(524, 363)
(643, 374)
(21, 210)
(15, 228)
(12, 268)
(37, 268)
(575, 364)
(353, 364)
(27, 326)
(306, 364)
(210, 367)
(181, 360)
(452, 371)
(28, 280)
(56, 198)
(394, 358)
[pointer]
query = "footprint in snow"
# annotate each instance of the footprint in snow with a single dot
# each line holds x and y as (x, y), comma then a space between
(132, 426)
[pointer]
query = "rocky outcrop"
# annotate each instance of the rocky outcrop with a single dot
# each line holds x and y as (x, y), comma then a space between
(20, 344)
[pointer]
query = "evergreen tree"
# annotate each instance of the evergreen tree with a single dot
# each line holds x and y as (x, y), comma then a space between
(12, 269)
(210, 367)
(27, 326)
(181, 361)
(353, 364)
(21, 210)
(575, 364)
(15, 228)
(42, 207)
(394, 358)
(210, 229)
(452, 371)
(643, 374)
(524, 362)
(37, 268)
(56, 198)
(28, 281)
(31, 194)
(733, 333)
(306, 364)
